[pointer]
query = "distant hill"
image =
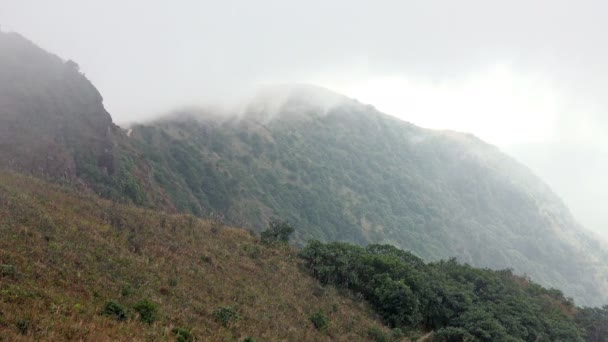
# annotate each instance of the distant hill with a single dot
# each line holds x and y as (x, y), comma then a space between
(337, 169)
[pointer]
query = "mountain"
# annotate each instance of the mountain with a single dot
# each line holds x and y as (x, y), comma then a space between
(346, 172)
(337, 169)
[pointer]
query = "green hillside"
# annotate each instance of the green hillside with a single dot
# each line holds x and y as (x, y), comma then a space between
(350, 173)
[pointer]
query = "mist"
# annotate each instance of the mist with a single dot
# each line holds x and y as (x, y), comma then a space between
(526, 76)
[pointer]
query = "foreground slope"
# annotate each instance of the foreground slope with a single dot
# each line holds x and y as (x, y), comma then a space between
(347, 172)
(63, 256)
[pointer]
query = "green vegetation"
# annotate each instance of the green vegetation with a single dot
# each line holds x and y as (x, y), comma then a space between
(147, 310)
(23, 326)
(456, 301)
(226, 315)
(320, 320)
(377, 335)
(594, 321)
(115, 310)
(277, 232)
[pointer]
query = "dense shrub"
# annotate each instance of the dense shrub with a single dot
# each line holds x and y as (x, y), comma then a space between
(595, 323)
(23, 326)
(147, 310)
(114, 310)
(397, 334)
(8, 271)
(458, 301)
(226, 315)
(320, 320)
(252, 251)
(127, 290)
(451, 334)
(377, 335)
(277, 232)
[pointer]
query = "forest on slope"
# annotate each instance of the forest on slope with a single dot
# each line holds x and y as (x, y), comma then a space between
(343, 172)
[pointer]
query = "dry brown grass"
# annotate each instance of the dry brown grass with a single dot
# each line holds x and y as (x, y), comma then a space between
(71, 253)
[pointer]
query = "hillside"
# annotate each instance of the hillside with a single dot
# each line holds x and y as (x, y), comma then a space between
(337, 169)
(64, 256)
(77, 267)
(349, 173)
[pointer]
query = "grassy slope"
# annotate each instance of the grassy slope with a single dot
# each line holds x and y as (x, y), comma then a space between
(71, 253)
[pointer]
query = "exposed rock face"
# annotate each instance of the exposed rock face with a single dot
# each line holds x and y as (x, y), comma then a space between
(52, 120)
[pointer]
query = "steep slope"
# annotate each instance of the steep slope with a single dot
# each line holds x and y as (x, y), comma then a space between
(64, 256)
(74, 125)
(349, 173)
(53, 124)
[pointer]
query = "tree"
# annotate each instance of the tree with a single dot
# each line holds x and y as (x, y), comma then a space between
(278, 232)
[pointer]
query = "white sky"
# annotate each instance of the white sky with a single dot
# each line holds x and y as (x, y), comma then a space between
(494, 102)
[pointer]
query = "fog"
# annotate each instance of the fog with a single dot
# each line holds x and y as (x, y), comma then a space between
(527, 76)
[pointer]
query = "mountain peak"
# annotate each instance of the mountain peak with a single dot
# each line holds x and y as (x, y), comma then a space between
(298, 100)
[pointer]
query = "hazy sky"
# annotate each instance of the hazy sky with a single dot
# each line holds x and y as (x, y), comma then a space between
(511, 72)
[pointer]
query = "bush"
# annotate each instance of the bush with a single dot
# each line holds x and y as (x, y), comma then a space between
(115, 310)
(147, 310)
(183, 335)
(207, 259)
(172, 282)
(226, 315)
(252, 251)
(126, 290)
(377, 335)
(8, 271)
(452, 334)
(397, 334)
(23, 326)
(277, 232)
(320, 320)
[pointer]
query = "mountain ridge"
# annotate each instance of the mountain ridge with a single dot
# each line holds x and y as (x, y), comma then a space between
(517, 189)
